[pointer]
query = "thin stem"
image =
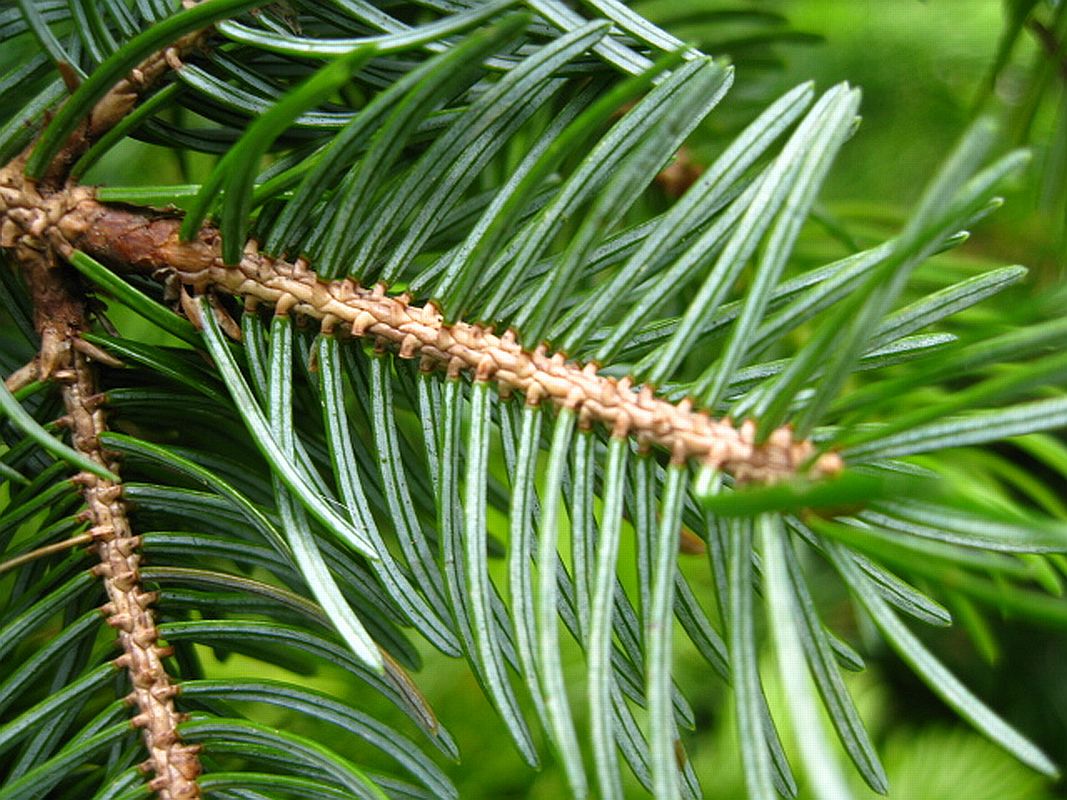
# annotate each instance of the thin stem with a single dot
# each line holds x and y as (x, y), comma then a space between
(43, 552)
(60, 318)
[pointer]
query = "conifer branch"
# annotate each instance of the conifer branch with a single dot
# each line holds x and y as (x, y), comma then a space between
(48, 222)
(60, 318)
(121, 100)
(29, 211)
(150, 243)
(42, 222)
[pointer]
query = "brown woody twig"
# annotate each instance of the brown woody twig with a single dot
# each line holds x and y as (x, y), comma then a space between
(29, 213)
(150, 243)
(60, 318)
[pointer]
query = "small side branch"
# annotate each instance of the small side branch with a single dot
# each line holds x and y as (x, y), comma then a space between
(175, 765)
(121, 100)
(56, 217)
(60, 318)
(30, 216)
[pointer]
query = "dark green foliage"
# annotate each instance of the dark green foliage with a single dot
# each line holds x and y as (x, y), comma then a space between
(336, 513)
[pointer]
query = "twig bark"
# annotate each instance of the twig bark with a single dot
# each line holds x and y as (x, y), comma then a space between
(60, 317)
(68, 217)
(150, 243)
(29, 214)
(120, 101)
